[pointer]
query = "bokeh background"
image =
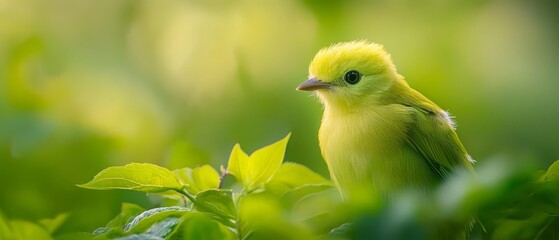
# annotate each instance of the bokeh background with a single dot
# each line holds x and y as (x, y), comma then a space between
(85, 85)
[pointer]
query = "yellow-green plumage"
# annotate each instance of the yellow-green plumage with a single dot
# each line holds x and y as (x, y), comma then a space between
(379, 132)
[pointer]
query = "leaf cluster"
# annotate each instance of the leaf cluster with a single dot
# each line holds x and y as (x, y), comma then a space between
(258, 196)
(255, 197)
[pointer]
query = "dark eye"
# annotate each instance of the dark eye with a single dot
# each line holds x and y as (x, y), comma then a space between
(352, 77)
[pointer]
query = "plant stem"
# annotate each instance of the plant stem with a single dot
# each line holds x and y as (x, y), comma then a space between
(188, 195)
(211, 209)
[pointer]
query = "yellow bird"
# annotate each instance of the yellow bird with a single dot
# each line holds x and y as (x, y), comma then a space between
(377, 131)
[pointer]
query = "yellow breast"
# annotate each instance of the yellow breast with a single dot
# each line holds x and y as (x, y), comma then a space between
(367, 147)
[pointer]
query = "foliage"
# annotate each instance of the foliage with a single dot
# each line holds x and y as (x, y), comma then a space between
(253, 206)
(259, 197)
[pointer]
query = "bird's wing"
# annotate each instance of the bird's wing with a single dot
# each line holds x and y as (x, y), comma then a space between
(431, 132)
(434, 138)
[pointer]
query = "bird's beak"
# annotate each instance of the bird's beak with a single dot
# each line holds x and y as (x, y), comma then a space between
(314, 84)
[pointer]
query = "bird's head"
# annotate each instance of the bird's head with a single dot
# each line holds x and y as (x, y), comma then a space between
(347, 74)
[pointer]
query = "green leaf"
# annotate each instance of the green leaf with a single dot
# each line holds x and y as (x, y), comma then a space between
(262, 217)
(143, 222)
(5, 230)
(544, 198)
(107, 231)
(171, 196)
(341, 232)
(315, 204)
(291, 197)
(127, 212)
(28, 230)
(216, 201)
(198, 179)
(143, 177)
(553, 172)
(164, 227)
(293, 181)
(201, 227)
(264, 162)
(115, 227)
(539, 226)
(238, 162)
(260, 167)
(51, 225)
(295, 175)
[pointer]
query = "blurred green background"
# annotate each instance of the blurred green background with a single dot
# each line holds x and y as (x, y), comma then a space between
(85, 85)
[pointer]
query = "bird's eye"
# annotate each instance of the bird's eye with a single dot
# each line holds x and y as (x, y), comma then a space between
(352, 77)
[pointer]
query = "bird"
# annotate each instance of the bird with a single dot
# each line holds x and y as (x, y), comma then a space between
(376, 131)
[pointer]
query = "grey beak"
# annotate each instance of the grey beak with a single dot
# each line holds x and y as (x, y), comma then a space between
(313, 84)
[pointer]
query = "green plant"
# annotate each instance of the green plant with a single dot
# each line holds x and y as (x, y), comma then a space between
(249, 199)
(21, 229)
(261, 197)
